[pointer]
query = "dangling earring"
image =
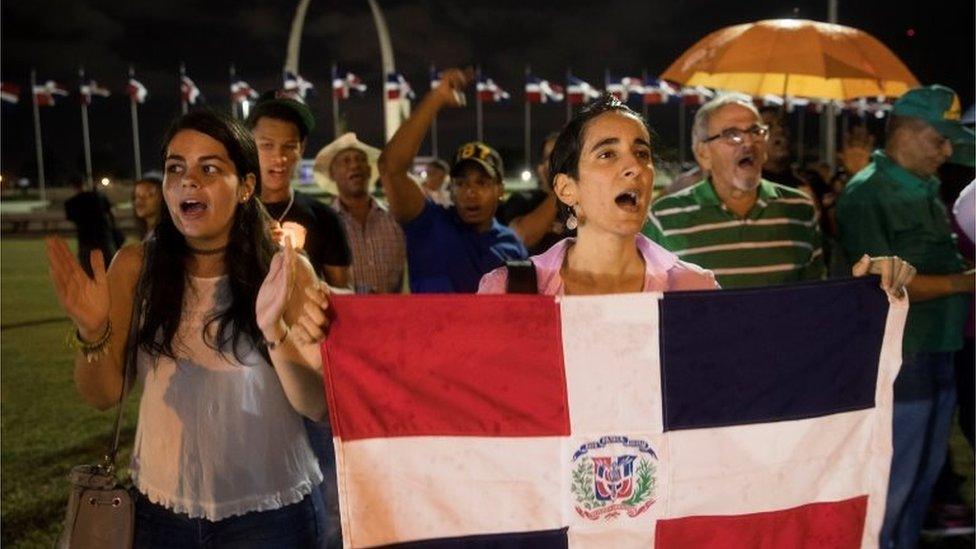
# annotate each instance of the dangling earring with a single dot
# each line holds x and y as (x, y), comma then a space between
(571, 221)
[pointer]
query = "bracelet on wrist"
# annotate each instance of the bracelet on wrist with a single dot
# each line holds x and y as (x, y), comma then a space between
(92, 350)
(272, 344)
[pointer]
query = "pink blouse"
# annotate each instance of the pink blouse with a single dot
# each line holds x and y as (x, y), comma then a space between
(664, 272)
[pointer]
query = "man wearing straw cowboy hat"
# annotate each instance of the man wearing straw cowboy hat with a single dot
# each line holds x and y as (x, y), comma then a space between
(280, 125)
(892, 207)
(347, 167)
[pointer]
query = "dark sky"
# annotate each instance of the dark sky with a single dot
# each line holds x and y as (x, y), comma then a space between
(56, 36)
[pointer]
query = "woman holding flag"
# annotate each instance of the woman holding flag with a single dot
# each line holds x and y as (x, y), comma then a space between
(221, 456)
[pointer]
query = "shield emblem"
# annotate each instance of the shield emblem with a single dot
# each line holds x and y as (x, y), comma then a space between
(613, 478)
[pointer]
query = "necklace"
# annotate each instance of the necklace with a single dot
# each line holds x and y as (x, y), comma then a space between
(291, 201)
(214, 251)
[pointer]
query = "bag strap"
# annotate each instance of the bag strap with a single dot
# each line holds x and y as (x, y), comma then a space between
(131, 351)
(521, 277)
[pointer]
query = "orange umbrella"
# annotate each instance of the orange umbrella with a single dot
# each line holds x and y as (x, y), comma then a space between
(793, 57)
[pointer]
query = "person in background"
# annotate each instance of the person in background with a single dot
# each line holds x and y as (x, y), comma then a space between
(532, 214)
(892, 208)
(280, 126)
(375, 238)
(778, 167)
(147, 204)
(437, 183)
(91, 213)
(448, 249)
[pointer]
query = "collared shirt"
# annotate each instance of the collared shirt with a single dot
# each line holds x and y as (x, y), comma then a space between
(663, 271)
(446, 255)
(777, 242)
(378, 249)
(887, 210)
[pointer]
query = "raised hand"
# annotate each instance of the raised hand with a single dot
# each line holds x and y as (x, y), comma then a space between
(274, 293)
(451, 89)
(85, 300)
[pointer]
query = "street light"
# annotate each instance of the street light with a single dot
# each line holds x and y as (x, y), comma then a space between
(105, 182)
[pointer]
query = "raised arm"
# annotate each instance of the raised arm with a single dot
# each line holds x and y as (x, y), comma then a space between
(406, 198)
(97, 307)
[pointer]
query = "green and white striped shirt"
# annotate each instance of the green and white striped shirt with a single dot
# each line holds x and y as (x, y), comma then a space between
(778, 241)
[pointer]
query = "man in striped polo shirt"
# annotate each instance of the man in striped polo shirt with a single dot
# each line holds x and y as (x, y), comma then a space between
(748, 231)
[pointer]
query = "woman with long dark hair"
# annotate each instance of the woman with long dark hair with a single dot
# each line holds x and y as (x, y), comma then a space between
(226, 352)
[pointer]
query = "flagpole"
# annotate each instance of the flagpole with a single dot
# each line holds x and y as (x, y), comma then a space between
(528, 118)
(480, 129)
(569, 105)
(84, 131)
(135, 129)
(335, 103)
(433, 124)
(183, 98)
(37, 137)
(233, 104)
(643, 102)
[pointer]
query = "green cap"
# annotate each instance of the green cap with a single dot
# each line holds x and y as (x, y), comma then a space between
(939, 106)
(288, 100)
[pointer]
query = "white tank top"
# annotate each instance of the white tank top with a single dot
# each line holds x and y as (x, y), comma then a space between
(215, 437)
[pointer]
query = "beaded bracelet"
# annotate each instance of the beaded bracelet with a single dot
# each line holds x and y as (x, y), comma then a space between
(92, 350)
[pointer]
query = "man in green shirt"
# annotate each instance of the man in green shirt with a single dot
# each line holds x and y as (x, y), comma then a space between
(890, 208)
(748, 231)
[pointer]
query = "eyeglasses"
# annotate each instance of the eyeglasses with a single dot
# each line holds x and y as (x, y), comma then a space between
(735, 136)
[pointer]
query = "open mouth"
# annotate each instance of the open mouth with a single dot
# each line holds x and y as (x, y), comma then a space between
(192, 207)
(627, 200)
(747, 162)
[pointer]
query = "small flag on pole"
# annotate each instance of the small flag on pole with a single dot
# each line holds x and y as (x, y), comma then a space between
(342, 86)
(580, 92)
(696, 95)
(658, 92)
(490, 92)
(623, 87)
(44, 93)
(297, 86)
(90, 88)
(137, 92)
(241, 91)
(9, 93)
(190, 91)
(538, 90)
(397, 87)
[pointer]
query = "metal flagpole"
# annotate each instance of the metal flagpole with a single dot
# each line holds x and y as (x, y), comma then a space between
(335, 103)
(183, 104)
(643, 84)
(433, 124)
(528, 119)
(477, 93)
(37, 137)
(133, 104)
(569, 104)
(233, 103)
(84, 131)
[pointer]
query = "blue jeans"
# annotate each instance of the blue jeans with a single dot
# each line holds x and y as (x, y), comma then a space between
(291, 527)
(320, 438)
(925, 398)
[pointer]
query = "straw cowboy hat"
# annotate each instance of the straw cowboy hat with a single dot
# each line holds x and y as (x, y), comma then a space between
(323, 160)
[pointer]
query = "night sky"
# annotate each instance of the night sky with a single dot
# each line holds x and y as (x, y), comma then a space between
(106, 36)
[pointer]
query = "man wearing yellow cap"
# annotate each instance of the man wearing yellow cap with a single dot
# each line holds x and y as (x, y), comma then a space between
(892, 207)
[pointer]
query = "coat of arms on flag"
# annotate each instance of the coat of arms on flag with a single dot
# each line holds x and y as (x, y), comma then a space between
(604, 421)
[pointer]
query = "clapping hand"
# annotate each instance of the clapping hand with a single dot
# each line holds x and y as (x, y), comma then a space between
(278, 290)
(84, 299)
(895, 272)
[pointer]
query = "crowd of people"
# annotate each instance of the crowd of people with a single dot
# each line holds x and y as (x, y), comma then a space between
(228, 287)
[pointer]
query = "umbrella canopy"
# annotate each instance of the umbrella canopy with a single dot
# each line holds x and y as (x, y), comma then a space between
(793, 57)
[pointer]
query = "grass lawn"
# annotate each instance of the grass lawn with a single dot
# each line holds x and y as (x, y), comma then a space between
(45, 427)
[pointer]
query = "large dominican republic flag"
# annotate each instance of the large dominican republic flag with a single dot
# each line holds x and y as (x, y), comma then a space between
(747, 418)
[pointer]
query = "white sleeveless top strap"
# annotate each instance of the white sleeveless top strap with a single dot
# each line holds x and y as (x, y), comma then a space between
(215, 437)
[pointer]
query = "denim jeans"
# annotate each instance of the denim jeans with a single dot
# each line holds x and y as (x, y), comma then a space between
(320, 438)
(291, 527)
(925, 399)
